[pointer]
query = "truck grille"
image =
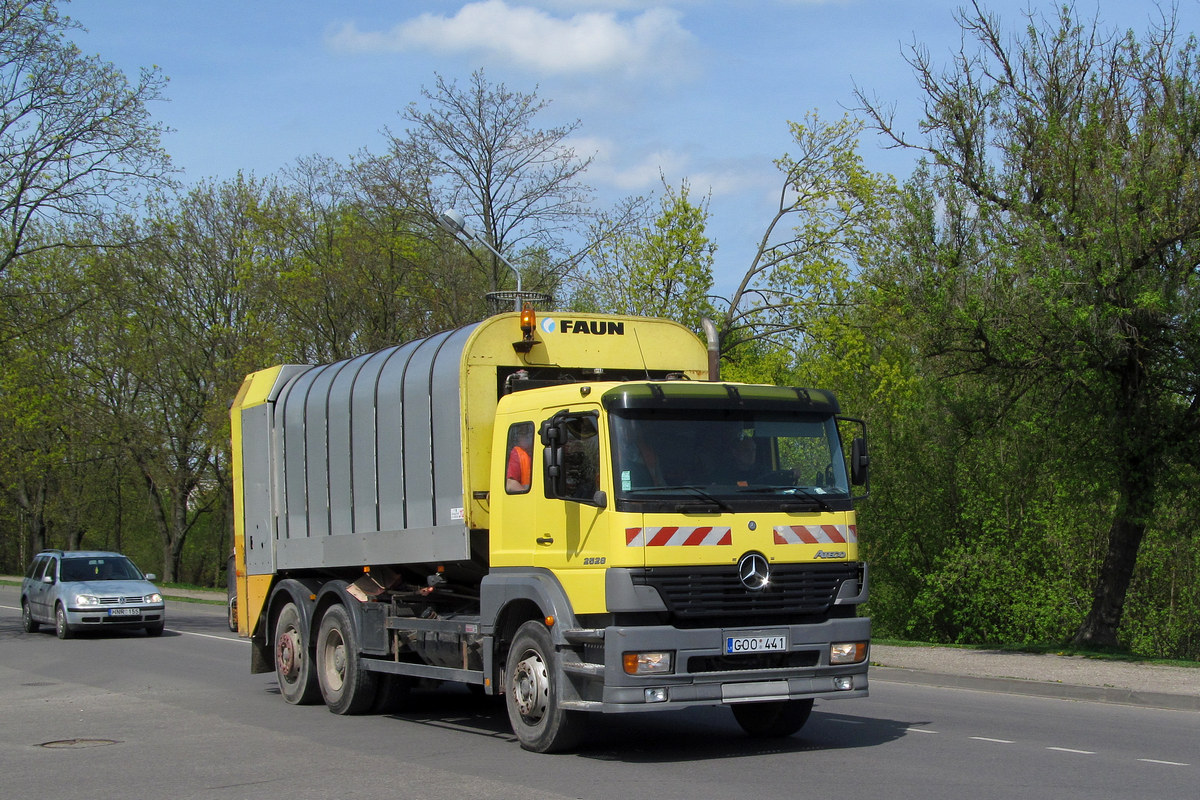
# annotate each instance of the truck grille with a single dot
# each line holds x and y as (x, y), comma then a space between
(700, 595)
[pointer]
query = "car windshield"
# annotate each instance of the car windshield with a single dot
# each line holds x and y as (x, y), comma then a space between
(99, 568)
(751, 460)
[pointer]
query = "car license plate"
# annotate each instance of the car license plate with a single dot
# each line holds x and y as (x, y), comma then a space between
(736, 645)
(124, 612)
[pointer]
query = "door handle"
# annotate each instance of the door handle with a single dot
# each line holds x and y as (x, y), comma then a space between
(545, 540)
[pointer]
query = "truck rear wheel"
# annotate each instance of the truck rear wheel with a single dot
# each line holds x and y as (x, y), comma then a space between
(773, 719)
(293, 665)
(347, 686)
(533, 696)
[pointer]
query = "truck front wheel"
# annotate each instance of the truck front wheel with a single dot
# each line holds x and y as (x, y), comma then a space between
(772, 719)
(347, 686)
(293, 665)
(533, 696)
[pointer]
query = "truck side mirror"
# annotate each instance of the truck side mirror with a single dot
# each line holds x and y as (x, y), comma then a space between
(552, 434)
(860, 461)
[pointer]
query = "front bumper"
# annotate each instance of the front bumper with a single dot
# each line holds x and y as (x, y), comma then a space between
(116, 616)
(704, 675)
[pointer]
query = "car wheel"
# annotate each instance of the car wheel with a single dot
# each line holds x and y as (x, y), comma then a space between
(28, 623)
(533, 696)
(61, 627)
(772, 719)
(293, 662)
(156, 629)
(347, 686)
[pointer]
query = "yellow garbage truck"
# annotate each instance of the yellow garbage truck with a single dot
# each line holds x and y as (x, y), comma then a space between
(569, 510)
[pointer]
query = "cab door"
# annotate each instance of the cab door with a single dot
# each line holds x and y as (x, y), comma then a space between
(572, 521)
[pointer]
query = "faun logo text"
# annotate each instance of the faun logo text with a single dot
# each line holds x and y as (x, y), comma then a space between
(595, 327)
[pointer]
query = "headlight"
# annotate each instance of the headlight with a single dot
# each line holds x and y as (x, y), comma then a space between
(847, 652)
(154, 598)
(86, 600)
(647, 663)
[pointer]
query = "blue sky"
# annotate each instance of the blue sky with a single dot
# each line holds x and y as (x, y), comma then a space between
(695, 89)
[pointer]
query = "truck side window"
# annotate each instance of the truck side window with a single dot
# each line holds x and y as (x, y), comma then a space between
(581, 458)
(519, 468)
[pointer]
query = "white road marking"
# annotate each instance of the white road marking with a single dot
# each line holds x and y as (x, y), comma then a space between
(210, 636)
(1069, 750)
(994, 741)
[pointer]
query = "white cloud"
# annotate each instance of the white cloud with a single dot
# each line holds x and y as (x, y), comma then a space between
(643, 175)
(586, 42)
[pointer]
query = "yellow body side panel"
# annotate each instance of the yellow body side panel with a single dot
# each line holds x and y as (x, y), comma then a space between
(252, 590)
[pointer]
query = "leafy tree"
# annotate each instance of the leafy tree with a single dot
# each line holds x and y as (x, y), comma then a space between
(177, 322)
(1074, 154)
(60, 468)
(662, 268)
(75, 135)
(804, 272)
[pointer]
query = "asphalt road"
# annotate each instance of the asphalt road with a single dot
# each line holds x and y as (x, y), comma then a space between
(127, 716)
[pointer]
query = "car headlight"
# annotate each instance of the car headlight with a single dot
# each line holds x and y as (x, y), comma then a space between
(154, 598)
(86, 600)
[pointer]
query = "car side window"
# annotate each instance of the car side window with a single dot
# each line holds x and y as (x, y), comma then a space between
(36, 567)
(48, 568)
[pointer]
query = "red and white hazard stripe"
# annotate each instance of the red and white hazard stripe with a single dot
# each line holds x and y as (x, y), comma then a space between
(677, 537)
(816, 534)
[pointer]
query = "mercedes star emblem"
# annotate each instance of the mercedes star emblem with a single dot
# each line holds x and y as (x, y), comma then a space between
(754, 571)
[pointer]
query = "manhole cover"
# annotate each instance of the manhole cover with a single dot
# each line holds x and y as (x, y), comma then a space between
(63, 744)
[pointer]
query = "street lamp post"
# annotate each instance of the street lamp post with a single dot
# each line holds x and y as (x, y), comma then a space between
(456, 225)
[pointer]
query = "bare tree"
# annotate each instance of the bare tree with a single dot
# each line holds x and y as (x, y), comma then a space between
(478, 149)
(75, 134)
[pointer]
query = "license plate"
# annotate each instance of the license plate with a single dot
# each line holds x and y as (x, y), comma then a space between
(736, 645)
(124, 612)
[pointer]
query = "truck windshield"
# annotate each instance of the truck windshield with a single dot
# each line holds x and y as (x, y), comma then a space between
(702, 460)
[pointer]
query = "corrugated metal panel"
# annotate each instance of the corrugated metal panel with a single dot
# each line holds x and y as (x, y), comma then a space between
(372, 445)
(341, 447)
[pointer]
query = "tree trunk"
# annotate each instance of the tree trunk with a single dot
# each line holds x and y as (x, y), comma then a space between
(1135, 504)
(1099, 627)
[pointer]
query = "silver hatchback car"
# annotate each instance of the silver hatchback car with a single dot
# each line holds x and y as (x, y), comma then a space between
(77, 590)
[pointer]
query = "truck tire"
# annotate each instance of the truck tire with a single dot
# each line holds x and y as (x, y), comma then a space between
(532, 693)
(293, 664)
(348, 688)
(774, 719)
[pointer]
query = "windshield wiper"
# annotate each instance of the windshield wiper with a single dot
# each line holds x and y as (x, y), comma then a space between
(709, 499)
(811, 498)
